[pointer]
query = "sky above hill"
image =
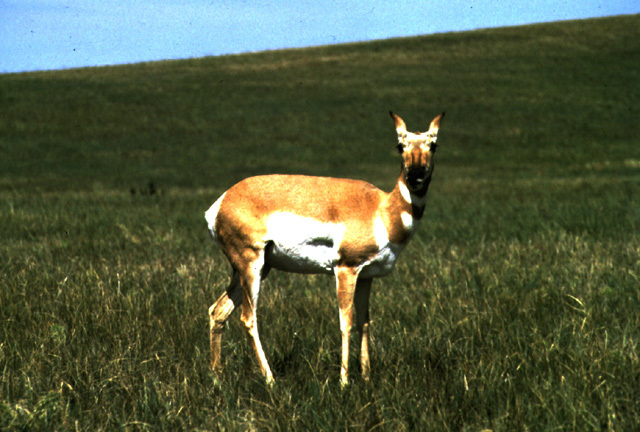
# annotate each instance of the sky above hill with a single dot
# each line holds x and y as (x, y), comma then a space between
(57, 34)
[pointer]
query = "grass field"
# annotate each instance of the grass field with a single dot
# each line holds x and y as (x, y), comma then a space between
(516, 307)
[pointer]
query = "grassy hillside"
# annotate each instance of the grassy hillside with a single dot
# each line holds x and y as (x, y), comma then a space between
(516, 307)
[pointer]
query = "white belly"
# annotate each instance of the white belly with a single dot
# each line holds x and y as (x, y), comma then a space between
(302, 245)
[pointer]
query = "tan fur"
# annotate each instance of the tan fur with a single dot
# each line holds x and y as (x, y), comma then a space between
(395, 206)
(239, 224)
(370, 225)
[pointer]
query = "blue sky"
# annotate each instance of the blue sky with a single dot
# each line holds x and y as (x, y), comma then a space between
(55, 34)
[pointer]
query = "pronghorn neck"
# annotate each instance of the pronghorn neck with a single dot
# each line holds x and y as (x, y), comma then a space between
(415, 200)
(402, 211)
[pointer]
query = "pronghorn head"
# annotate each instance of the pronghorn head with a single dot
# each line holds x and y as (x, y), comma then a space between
(417, 151)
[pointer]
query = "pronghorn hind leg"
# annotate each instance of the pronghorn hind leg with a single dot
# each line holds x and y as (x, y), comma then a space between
(251, 279)
(361, 301)
(219, 313)
(346, 281)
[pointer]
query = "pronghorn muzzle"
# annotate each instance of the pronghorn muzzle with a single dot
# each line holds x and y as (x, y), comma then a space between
(416, 177)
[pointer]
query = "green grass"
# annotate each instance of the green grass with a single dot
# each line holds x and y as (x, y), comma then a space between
(516, 306)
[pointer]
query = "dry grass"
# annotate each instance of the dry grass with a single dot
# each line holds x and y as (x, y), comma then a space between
(514, 308)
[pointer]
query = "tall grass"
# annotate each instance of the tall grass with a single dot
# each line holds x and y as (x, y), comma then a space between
(516, 306)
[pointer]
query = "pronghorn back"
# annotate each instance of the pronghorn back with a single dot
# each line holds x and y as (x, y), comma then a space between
(305, 224)
(322, 198)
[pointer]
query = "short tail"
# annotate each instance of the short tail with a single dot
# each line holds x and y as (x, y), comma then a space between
(211, 215)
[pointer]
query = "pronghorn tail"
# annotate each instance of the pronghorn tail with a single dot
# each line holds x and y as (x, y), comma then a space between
(212, 214)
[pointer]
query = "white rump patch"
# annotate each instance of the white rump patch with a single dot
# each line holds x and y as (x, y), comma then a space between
(301, 244)
(212, 214)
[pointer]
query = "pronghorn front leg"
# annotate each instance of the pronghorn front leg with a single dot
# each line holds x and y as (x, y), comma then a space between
(346, 281)
(361, 301)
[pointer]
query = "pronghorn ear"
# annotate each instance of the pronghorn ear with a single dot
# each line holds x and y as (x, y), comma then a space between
(400, 126)
(435, 124)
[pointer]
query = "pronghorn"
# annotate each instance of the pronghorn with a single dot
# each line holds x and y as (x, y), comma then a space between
(302, 224)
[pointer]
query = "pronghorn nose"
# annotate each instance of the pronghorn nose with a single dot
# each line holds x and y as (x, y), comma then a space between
(416, 176)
